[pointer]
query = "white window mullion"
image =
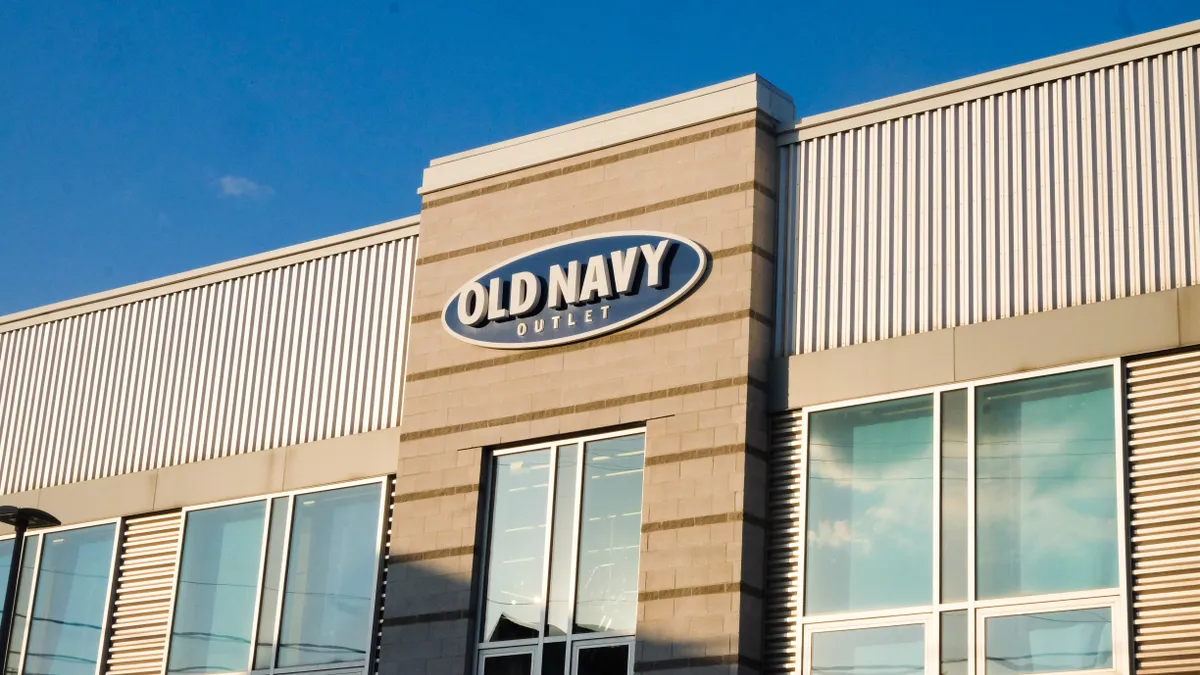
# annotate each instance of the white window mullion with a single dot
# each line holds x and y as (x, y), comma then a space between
(33, 590)
(933, 629)
(262, 575)
(974, 643)
(283, 570)
(576, 526)
(547, 556)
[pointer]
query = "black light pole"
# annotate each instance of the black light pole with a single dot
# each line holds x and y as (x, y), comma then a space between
(21, 519)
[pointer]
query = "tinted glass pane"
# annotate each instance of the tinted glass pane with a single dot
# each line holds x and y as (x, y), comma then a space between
(70, 602)
(332, 572)
(954, 643)
(21, 610)
(510, 664)
(554, 658)
(517, 555)
(218, 577)
(562, 539)
(1046, 485)
(610, 535)
(610, 660)
(265, 643)
(6, 551)
(1050, 643)
(894, 650)
(954, 496)
(870, 507)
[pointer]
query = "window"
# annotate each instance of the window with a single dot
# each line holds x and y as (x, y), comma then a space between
(278, 583)
(62, 600)
(967, 530)
(560, 596)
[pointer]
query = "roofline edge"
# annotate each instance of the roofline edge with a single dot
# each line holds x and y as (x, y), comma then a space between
(991, 82)
(388, 231)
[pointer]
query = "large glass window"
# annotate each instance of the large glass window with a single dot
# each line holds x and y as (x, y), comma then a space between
(970, 530)
(870, 471)
(329, 590)
(516, 564)
(294, 576)
(1046, 488)
(62, 601)
(562, 562)
(218, 576)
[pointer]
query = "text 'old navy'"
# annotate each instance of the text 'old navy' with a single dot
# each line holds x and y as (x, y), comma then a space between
(575, 290)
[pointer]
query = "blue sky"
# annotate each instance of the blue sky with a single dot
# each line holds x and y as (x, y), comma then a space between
(139, 140)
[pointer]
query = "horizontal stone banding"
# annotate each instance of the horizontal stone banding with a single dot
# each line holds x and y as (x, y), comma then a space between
(690, 662)
(590, 406)
(717, 451)
(695, 521)
(432, 555)
(599, 220)
(743, 249)
(440, 492)
(693, 591)
(612, 338)
(598, 162)
(432, 617)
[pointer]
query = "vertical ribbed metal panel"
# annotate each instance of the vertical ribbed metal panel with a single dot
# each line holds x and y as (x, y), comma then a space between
(1164, 442)
(146, 575)
(783, 547)
(1067, 192)
(289, 355)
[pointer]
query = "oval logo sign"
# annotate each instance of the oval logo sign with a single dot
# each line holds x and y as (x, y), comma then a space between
(575, 290)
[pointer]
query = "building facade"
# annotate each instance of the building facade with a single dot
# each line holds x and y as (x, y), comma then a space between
(910, 387)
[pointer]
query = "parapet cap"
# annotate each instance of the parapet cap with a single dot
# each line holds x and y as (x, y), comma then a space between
(694, 107)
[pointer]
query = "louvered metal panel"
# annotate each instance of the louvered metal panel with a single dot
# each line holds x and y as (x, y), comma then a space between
(1075, 190)
(783, 552)
(389, 515)
(149, 556)
(1164, 441)
(294, 354)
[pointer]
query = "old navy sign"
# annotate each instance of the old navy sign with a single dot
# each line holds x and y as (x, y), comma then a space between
(575, 290)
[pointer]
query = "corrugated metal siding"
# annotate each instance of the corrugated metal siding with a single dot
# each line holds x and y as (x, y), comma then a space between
(783, 547)
(1072, 191)
(145, 579)
(289, 355)
(1164, 440)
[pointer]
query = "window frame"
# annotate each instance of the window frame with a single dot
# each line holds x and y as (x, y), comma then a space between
(481, 648)
(267, 499)
(106, 621)
(1113, 603)
(927, 619)
(1031, 604)
(535, 656)
(579, 645)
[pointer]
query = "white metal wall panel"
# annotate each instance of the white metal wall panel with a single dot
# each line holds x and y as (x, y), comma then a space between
(1164, 443)
(783, 547)
(294, 354)
(1071, 191)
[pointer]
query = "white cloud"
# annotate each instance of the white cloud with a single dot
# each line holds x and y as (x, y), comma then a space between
(242, 187)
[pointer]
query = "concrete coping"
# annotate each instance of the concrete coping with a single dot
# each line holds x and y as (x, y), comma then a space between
(694, 107)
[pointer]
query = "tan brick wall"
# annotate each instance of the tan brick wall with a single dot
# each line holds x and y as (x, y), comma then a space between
(693, 375)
